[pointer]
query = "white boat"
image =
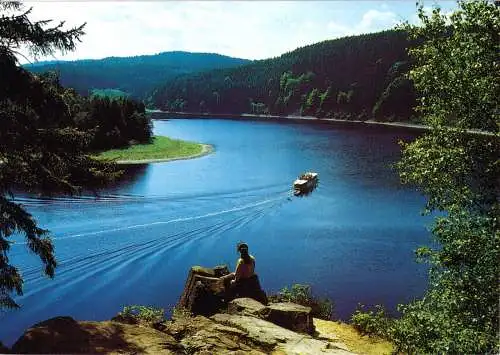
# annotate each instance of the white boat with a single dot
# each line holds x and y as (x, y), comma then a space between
(305, 183)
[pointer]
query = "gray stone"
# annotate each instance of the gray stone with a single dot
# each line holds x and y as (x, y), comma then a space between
(245, 306)
(201, 335)
(291, 316)
(277, 339)
(258, 330)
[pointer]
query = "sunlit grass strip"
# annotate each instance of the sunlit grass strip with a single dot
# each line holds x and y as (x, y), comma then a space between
(161, 148)
(357, 343)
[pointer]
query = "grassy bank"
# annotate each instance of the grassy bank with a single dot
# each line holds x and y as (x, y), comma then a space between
(161, 149)
(357, 343)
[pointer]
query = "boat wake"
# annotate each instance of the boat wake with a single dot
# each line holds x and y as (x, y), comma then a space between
(239, 216)
(181, 219)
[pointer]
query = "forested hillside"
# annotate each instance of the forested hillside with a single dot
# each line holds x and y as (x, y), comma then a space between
(134, 76)
(358, 77)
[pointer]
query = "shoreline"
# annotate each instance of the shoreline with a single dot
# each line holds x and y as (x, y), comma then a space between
(206, 149)
(165, 115)
(298, 119)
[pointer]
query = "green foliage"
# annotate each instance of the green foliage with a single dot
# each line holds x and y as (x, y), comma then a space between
(372, 321)
(327, 102)
(115, 122)
(137, 76)
(302, 294)
(111, 93)
(456, 78)
(393, 102)
(147, 314)
(456, 170)
(361, 67)
(18, 31)
(456, 67)
(37, 150)
(459, 313)
(312, 103)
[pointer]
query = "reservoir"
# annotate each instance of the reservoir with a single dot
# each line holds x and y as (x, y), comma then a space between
(352, 239)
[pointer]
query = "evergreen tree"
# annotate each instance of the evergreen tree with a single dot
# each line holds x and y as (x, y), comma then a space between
(327, 102)
(359, 66)
(40, 149)
(312, 103)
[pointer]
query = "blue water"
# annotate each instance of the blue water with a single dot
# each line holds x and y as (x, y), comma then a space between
(352, 239)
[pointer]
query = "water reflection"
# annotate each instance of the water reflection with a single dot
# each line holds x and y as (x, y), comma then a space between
(132, 174)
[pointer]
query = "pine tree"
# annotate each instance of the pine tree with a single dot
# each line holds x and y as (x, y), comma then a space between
(40, 148)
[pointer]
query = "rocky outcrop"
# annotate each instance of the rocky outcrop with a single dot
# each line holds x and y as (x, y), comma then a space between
(246, 306)
(274, 338)
(65, 335)
(201, 335)
(291, 316)
(242, 332)
(285, 314)
(206, 290)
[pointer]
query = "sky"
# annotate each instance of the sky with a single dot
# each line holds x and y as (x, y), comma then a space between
(244, 29)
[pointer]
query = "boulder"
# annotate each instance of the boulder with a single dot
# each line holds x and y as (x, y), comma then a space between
(245, 306)
(204, 292)
(201, 335)
(276, 339)
(207, 291)
(287, 315)
(290, 316)
(65, 335)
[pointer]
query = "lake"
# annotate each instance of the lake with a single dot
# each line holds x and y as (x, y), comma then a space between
(352, 239)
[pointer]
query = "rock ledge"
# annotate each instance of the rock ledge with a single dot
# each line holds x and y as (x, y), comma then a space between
(242, 331)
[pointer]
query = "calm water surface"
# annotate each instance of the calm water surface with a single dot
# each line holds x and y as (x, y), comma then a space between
(352, 239)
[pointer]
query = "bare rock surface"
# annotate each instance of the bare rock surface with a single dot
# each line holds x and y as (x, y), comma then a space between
(222, 333)
(291, 316)
(272, 337)
(285, 314)
(247, 306)
(65, 335)
(201, 335)
(207, 292)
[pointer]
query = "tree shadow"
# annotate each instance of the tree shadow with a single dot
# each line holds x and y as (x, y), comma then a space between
(65, 335)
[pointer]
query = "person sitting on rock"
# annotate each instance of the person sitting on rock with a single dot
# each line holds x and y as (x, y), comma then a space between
(244, 282)
(245, 267)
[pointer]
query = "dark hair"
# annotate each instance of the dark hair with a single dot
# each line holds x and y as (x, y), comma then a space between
(243, 249)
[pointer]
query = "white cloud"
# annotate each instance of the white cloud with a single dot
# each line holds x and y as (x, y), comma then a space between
(374, 20)
(371, 21)
(247, 29)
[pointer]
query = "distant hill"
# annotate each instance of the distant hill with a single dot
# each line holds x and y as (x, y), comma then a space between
(135, 76)
(358, 77)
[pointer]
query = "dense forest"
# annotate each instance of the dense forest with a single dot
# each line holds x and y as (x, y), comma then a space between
(107, 122)
(353, 77)
(132, 76)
